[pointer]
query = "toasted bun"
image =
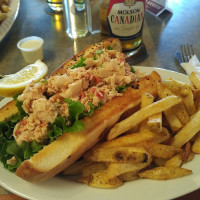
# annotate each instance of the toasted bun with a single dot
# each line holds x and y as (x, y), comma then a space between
(69, 147)
(8, 110)
(88, 53)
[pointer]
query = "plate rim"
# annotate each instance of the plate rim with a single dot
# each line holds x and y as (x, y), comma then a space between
(9, 21)
(145, 181)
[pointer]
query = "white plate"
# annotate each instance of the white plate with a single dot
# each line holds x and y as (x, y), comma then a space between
(60, 188)
(6, 25)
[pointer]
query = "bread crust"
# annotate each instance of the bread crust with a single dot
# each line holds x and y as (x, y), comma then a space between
(88, 53)
(69, 147)
(8, 110)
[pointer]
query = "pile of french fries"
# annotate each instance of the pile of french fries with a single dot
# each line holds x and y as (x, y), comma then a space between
(152, 143)
(4, 9)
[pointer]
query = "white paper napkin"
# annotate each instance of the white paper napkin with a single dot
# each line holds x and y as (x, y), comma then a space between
(192, 66)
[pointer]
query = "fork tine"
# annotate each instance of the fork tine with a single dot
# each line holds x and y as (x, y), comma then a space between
(189, 52)
(185, 51)
(191, 47)
(182, 54)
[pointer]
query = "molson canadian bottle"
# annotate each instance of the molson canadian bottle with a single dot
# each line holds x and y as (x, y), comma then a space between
(123, 19)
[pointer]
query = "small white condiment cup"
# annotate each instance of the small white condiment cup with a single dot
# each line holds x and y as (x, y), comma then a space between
(31, 48)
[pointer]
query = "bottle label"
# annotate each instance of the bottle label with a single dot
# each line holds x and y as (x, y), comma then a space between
(125, 17)
(129, 2)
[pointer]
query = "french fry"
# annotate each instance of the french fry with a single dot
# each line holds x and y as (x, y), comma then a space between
(142, 114)
(190, 157)
(166, 139)
(4, 8)
(174, 85)
(195, 92)
(178, 109)
(164, 173)
(93, 168)
(6, 2)
(158, 150)
(173, 120)
(160, 162)
(188, 99)
(116, 169)
(181, 113)
(129, 176)
(195, 79)
(186, 151)
(175, 161)
(184, 91)
(76, 168)
(196, 145)
(154, 123)
(100, 180)
(197, 100)
(3, 16)
(146, 99)
(118, 154)
(131, 139)
(187, 132)
(133, 130)
(107, 178)
(135, 155)
(84, 179)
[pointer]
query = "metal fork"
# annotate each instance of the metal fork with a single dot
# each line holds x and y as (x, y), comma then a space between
(186, 52)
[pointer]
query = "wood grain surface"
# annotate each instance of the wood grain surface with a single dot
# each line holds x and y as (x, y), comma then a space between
(10, 197)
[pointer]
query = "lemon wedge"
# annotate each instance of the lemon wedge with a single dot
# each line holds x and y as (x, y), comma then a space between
(15, 83)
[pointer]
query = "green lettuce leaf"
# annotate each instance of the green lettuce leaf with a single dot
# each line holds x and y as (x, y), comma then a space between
(26, 150)
(3, 155)
(5, 130)
(80, 63)
(14, 149)
(60, 122)
(14, 167)
(75, 109)
(36, 146)
(109, 48)
(21, 112)
(21, 152)
(92, 108)
(77, 126)
(132, 69)
(15, 118)
(76, 112)
(55, 132)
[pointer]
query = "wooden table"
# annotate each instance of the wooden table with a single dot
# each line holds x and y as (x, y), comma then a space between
(162, 37)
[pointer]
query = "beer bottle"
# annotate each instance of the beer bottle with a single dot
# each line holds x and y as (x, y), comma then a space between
(123, 19)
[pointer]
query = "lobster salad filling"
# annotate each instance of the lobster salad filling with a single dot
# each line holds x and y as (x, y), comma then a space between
(56, 104)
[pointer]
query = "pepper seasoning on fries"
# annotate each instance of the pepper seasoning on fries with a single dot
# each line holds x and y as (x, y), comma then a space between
(166, 134)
